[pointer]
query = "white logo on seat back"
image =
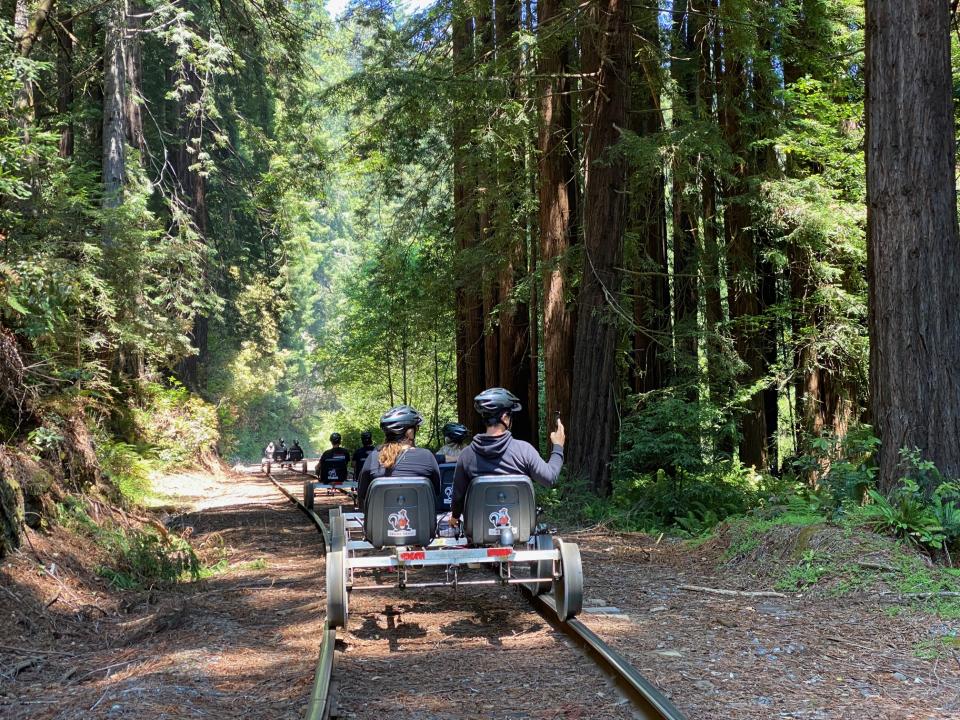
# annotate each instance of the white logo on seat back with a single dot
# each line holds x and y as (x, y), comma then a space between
(400, 524)
(500, 519)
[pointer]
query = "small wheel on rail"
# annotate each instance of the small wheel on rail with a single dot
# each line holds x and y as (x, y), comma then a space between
(308, 494)
(541, 568)
(568, 589)
(337, 598)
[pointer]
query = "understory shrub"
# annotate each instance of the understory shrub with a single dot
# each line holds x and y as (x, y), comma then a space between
(689, 503)
(182, 427)
(137, 557)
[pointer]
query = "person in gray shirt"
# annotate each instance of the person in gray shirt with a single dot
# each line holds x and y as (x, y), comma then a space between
(497, 452)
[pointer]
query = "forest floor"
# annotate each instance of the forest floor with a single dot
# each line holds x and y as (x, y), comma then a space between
(243, 642)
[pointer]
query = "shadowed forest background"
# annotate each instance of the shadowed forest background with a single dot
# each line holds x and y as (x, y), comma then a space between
(228, 221)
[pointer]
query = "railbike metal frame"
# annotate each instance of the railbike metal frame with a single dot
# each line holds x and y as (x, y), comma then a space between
(451, 553)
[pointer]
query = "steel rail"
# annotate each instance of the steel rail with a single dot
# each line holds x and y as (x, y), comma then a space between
(314, 518)
(319, 706)
(320, 696)
(646, 698)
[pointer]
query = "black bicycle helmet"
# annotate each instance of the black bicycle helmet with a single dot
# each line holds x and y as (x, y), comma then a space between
(494, 402)
(397, 420)
(455, 431)
(366, 437)
(336, 439)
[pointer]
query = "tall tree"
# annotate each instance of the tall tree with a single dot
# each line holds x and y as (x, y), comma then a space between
(913, 238)
(686, 39)
(114, 104)
(739, 238)
(648, 217)
(470, 375)
(557, 171)
(594, 420)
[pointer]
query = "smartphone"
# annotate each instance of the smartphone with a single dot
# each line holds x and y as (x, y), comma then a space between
(556, 420)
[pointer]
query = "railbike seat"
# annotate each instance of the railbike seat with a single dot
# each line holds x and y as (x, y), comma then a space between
(333, 471)
(498, 503)
(445, 500)
(400, 511)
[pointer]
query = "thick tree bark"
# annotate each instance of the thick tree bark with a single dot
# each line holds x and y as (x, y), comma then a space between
(470, 376)
(594, 421)
(192, 190)
(741, 257)
(65, 86)
(134, 79)
(686, 296)
(913, 240)
(650, 369)
(557, 166)
(114, 106)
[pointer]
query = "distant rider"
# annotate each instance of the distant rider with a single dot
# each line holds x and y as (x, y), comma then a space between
(399, 455)
(361, 453)
(295, 452)
(268, 451)
(335, 454)
(497, 452)
(457, 437)
(280, 451)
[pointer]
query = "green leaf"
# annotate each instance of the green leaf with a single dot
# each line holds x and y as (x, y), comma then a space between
(16, 305)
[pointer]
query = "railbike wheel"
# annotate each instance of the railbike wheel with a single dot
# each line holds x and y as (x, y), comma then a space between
(541, 568)
(308, 494)
(568, 589)
(337, 598)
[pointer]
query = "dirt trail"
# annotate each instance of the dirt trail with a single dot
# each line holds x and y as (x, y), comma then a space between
(242, 643)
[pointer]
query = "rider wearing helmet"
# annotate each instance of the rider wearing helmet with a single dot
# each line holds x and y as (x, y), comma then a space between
(335, 454)
(497, 452)
(399, 455)
(361, 453)
(456, 436)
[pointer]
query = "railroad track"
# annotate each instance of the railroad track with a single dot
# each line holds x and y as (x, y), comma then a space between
(647, 701)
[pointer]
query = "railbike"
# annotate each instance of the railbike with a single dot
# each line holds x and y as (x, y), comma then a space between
(399, 534)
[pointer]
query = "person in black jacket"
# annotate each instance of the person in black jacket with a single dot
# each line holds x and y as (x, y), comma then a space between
(497, 452)
(361, 453)
(399, 455)
(334, 462)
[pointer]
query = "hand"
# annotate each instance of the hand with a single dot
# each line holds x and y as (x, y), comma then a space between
(559, 436)
(453, 521)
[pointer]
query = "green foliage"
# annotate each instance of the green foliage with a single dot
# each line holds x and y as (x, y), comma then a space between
(137, 558)
(127, 470)
(180, 427)
(841, 469)
(671, 432)
(689, 504)
(811, 568)
(923, 509)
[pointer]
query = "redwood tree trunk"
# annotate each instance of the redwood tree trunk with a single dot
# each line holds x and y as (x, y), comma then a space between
(648, 223)
(470, 378)
(114, 105)
(594, 420)
(65, 86)
(741, 258)
(686, 297)
(913, 241)
(558, 206)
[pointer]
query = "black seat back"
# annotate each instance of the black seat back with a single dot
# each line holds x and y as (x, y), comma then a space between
(497, 501)
(445, 500)
(400, 511)
(333, 470)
